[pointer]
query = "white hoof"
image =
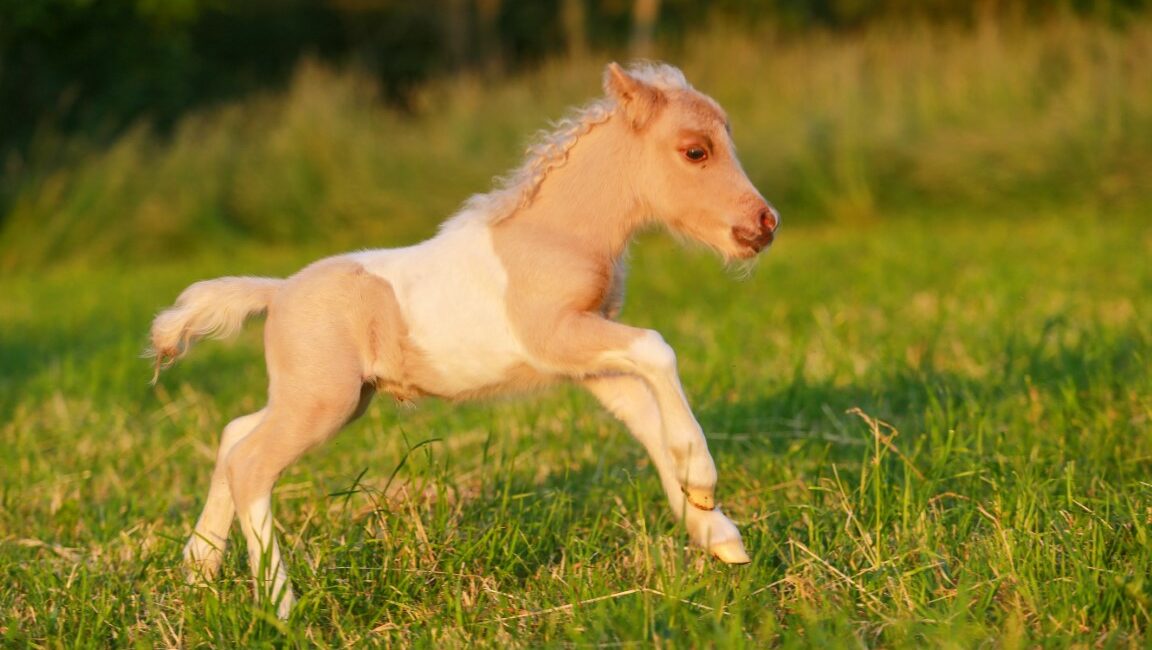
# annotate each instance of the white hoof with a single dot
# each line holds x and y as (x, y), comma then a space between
(730, 552)
(713, 531)
(202, 559)
(287, 602)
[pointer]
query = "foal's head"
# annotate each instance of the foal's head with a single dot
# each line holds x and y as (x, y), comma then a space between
(686, 171)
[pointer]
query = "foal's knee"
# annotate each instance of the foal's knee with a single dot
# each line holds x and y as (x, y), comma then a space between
(650, 351)
(249, 471)
(236, 430)
(255, 461)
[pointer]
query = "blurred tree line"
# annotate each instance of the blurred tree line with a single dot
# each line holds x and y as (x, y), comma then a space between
(93, 66)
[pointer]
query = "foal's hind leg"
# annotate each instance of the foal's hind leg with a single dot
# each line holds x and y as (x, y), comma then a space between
(324, 331)
(630, 399)
(291, 427)
(205, 549)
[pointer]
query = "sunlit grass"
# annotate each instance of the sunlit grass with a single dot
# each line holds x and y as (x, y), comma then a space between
(1012, 506)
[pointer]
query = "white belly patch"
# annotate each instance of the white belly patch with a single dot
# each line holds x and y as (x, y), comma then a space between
(451, 294)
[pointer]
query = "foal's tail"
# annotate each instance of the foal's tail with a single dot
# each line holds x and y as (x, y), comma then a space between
(214, 308)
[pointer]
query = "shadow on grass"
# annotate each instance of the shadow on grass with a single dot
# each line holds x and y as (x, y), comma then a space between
(1044, 371)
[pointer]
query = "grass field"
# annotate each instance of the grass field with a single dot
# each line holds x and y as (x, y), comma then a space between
(1014, 505)
(930, 407)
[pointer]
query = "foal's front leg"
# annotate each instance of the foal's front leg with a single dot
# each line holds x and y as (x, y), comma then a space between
(630, 400)
(655, 362)
(588, 345)
(648, 357)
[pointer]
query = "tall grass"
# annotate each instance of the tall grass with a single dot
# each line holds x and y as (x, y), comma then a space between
(998, 118)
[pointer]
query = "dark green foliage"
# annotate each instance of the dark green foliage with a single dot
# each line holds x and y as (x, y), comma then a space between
(96, 66)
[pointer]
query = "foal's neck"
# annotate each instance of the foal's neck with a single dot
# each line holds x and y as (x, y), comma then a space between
(589, 198)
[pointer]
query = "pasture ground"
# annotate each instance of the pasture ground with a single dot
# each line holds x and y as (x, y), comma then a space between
(933, 432)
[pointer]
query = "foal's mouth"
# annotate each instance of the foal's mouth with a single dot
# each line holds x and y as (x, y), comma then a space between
(752, 242)
(756, 238)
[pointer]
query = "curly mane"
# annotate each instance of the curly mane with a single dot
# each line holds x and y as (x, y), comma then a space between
(549, 150)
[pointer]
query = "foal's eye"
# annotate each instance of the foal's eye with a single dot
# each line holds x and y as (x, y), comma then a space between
(695, 154)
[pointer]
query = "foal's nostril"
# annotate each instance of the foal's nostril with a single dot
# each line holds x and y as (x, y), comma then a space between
(769, 219)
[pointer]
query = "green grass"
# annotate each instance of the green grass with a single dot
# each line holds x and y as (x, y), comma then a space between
(1014, 506)
(930, 404)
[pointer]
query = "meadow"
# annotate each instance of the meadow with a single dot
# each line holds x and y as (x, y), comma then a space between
(930, 403)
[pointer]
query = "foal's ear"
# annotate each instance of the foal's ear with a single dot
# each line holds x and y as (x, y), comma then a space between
(639, 101)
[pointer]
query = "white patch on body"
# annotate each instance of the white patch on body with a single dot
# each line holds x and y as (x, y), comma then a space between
(450, 290)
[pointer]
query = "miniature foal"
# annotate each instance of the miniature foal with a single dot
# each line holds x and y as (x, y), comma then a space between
(518, 290)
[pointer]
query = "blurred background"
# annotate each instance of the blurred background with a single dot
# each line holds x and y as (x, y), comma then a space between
(137, 130)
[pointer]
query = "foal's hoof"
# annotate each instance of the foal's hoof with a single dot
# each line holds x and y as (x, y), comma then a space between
(287, 602)
(730, 552)
(201, 562)
(700, 498)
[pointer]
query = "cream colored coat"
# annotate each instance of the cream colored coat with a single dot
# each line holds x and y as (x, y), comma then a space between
(518, 290)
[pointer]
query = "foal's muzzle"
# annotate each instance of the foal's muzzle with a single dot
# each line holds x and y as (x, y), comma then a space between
(760, 237)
